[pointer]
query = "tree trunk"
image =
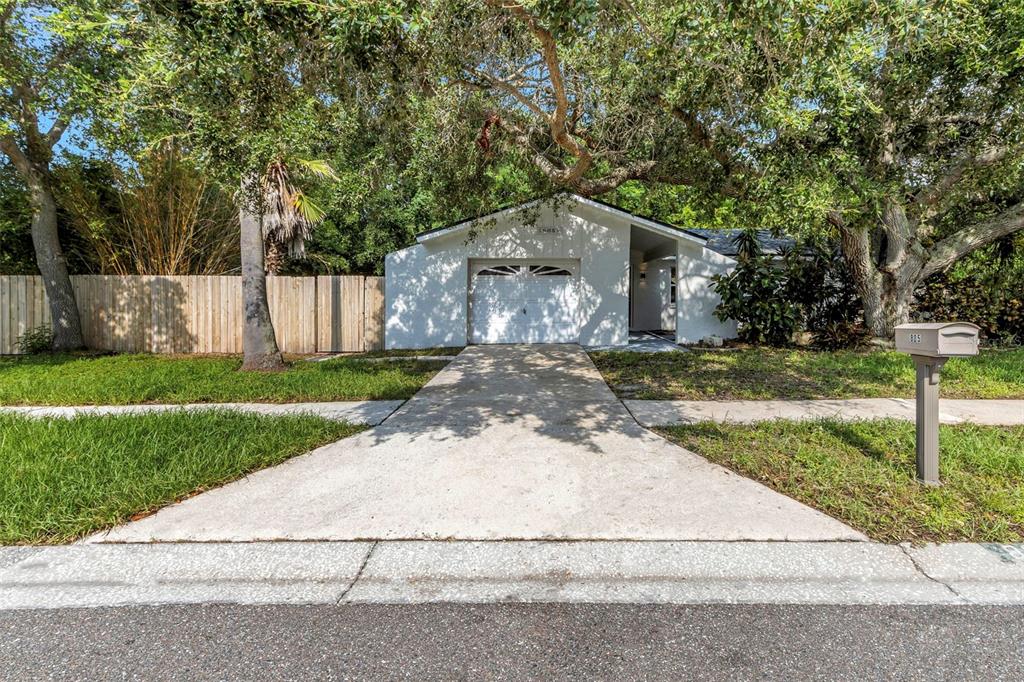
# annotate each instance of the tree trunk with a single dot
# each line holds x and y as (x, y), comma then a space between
(259, 343)
(885, 280)
(53, 266)
(886, 306)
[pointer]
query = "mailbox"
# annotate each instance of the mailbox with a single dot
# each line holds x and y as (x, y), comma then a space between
(938, 339)
(930, 344)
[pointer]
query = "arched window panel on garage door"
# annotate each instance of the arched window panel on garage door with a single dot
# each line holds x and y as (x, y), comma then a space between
(549, 271)
(500, 271)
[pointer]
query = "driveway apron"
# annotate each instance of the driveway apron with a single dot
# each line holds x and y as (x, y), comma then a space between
(506, 442)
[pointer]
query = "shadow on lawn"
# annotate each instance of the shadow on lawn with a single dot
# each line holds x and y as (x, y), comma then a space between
(751, 375)
(764, 373)
(850, 434)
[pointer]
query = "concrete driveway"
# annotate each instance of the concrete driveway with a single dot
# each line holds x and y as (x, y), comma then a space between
(507, 442)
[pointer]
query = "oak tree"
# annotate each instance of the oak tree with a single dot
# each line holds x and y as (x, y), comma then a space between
(61, 64)
(909, 140)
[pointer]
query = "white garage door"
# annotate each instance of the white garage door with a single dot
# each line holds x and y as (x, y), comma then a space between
(524, 301)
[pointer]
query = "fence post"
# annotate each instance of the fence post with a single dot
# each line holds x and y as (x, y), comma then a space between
(373, 313)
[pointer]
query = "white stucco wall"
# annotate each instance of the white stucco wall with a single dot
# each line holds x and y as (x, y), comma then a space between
(426, 285)
(424, 298)
(695, 299)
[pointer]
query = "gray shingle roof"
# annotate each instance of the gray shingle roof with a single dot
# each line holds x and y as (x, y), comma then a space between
(724, 241)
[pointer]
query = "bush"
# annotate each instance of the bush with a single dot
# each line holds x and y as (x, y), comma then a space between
(819, 282)
(36, 340)
(841, 334)
(809, 288)
(158, 216)
(755, 295)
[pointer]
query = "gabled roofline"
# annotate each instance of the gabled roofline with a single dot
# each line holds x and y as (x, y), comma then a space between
(651, 224)
(465, 224)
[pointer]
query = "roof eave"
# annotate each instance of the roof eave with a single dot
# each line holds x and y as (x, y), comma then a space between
(671, 232)
(465, 224)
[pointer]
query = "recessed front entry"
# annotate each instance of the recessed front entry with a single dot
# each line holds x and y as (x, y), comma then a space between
(524, 301)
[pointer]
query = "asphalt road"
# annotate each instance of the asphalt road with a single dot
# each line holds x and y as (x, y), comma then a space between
(514, 641)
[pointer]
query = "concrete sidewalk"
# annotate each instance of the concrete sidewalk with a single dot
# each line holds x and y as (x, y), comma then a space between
(951, 411)
(484, 572)
(504, 443)
(368, 412)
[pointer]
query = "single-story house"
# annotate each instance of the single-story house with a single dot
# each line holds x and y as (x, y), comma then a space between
(566, 269)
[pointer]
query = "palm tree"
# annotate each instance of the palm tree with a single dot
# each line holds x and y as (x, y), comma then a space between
(288, 214)
(274, 216)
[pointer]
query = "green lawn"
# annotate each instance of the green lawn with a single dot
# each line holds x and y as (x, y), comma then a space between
(62, 479)
(764, 374)
(123, 379)
(862, 473)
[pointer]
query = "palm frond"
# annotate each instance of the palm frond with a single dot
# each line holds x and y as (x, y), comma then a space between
(318, 167)
(309, 211)
(289, 215)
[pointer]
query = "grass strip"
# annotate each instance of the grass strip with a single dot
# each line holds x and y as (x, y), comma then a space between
(783, 374)
(61, 479)
(70, 379)
(863, 474)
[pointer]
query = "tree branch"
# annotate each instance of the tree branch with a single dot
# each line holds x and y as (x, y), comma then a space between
(856, 245)
(9, 146)
(957, 245)
(701, 135)
(561, 118)
(561, 175)
(56, 131)
(638, 170)
(628, 7)
(931, 195)
(898, 232)
(510, 89)
(5, 14)
(25, 94)
(557, 119)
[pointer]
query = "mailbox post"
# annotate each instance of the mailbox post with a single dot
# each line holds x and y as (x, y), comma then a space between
(930, 345)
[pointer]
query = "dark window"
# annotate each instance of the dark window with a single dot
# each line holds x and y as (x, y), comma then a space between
(549, 270)
(672, 287)
(500, 271)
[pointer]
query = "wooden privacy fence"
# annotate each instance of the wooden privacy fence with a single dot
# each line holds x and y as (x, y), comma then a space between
(202, 314)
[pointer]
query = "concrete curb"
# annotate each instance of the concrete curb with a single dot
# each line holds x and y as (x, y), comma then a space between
(368, 412)
(483, 572)
(672, 412)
